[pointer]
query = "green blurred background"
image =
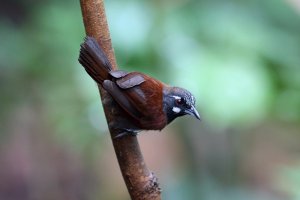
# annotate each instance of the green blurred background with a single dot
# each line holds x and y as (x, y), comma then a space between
(241, 59)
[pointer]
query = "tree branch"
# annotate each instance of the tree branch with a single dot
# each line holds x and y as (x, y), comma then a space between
(140, 182)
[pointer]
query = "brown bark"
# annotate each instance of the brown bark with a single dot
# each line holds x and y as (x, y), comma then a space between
(140, 182)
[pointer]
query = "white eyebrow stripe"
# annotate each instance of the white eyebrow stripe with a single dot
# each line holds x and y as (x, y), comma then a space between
(176, 109)
(176, 97)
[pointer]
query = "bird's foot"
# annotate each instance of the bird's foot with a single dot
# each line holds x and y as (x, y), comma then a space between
(120, 131)
(126, 131)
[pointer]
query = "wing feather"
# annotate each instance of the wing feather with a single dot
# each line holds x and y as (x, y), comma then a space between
(118, 73)
(130, 80)
(141, 97)
(121, 98)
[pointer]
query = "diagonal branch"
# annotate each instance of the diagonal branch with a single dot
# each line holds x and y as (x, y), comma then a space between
(140, 182)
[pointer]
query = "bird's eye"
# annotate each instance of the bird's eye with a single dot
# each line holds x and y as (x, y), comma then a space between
(179, 101)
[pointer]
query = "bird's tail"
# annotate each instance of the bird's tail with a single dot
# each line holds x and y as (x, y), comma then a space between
(94, 60)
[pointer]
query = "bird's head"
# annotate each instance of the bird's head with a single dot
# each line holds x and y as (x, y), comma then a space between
(179, 102)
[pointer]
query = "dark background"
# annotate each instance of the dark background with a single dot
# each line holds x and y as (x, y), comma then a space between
(241, 59)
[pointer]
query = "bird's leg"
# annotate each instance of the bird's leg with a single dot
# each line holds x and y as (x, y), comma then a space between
(126, 131)
(123, 131)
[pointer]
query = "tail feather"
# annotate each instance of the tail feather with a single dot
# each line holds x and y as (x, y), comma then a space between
(94, 60)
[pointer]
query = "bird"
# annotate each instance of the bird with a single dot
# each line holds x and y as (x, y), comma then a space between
(148, 103)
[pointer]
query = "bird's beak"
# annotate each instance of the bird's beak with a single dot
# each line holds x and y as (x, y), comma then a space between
(192, 111)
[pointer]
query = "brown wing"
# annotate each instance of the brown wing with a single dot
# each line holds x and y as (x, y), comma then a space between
(118, 73)
(121, 99)
(130, 80)
(141, 97)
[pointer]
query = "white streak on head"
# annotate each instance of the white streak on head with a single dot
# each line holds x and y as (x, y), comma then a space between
(176, 109)
(176, 97)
